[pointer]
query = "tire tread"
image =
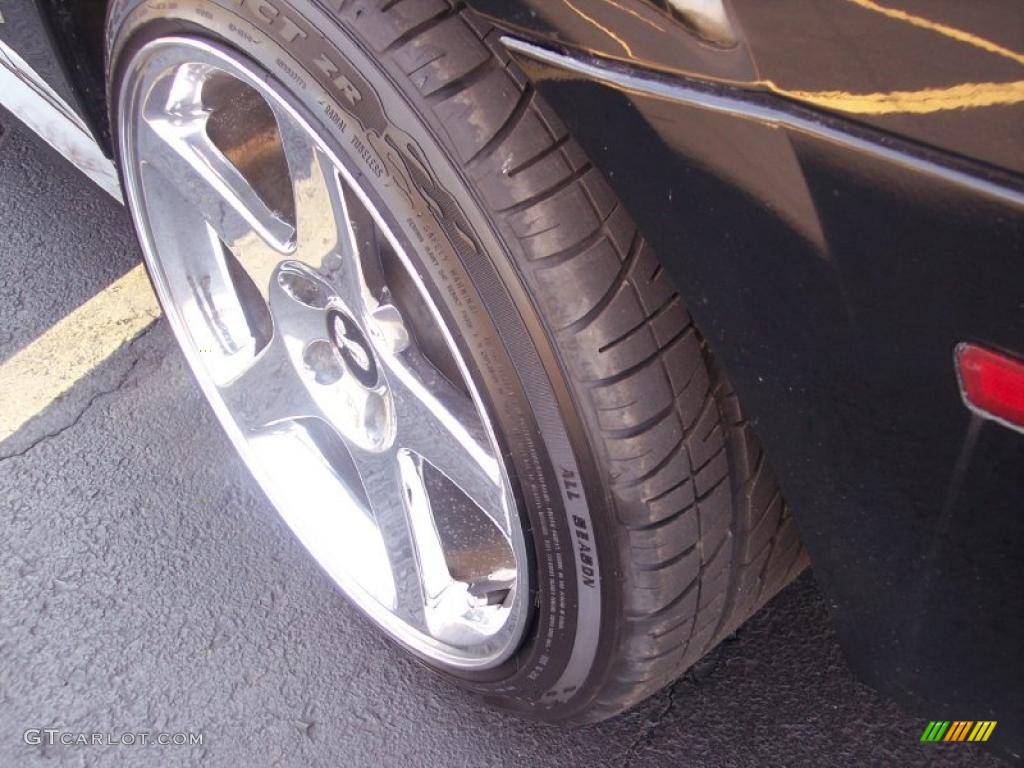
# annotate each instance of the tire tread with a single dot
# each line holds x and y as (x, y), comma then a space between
(708, 538)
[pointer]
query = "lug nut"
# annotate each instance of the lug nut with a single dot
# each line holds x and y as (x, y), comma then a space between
(387, 328)
(322, 359)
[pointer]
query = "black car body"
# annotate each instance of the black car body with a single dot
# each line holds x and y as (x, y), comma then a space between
(836, 186)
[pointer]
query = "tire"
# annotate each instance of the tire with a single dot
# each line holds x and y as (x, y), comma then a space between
(654, 520)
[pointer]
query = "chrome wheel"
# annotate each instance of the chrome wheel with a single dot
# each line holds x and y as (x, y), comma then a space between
(299, 307)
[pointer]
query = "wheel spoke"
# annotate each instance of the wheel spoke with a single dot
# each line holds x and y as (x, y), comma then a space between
(269, 390)
(392, 497)
(434, 574)
(199, 274)
(176, 142)
(318, 212)
(360, 273)
(440, 424)
(334, 231)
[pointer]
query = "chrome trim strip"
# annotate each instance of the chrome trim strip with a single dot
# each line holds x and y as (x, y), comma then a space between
(748, 105)
(29, 98)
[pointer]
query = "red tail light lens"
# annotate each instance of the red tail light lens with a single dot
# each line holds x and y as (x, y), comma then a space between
(992, 384)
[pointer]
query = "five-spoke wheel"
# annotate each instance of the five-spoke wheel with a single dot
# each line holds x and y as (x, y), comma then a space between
(290, 294)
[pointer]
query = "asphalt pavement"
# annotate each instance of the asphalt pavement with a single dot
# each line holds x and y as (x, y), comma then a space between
(146, 585)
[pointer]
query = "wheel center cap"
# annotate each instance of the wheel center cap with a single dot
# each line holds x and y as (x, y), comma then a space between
(354, 348)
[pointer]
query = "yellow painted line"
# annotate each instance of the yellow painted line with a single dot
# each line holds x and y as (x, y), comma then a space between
(942, 29)
(49, 366)
(927, 100)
